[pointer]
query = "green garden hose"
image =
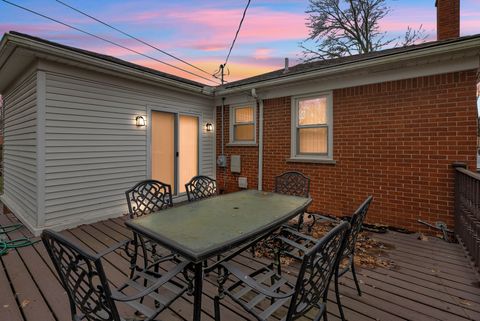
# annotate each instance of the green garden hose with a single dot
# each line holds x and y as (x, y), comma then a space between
(10, 228)
(6, 244)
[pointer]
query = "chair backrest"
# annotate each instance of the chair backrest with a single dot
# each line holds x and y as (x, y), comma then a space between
(83, 278)
(316, 271)
(147, 197)
(200, 187)
(356, 222)
(292, 183)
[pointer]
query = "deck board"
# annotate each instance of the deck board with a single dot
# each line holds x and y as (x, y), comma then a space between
(431, 280)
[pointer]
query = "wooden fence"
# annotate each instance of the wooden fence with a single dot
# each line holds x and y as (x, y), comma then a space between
(467, 211)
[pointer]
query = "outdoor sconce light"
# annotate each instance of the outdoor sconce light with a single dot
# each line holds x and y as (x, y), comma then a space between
(140, 121)
(209, 127)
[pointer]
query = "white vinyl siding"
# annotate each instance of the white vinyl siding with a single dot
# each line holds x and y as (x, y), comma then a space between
(94, 150)
(19, 150)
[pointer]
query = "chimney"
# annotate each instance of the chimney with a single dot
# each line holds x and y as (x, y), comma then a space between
(448, 19)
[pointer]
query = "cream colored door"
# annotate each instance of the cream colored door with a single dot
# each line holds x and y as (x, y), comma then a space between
(174, 149)
(187, 150)
(163, 147)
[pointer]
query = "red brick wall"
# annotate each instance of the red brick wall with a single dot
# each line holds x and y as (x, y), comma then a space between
(448, 19)
(249, 157)
(394, 140)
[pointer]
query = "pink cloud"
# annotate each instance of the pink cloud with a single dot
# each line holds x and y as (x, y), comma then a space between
(240, 69)
(260, 24)
(262, 53)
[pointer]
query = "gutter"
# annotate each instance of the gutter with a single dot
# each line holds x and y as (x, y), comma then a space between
(472, 44)
(81, 58)
(260, 144)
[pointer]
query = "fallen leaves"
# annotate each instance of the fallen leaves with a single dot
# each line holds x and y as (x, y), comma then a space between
(24, 303)
(422, 237)
(369, 252)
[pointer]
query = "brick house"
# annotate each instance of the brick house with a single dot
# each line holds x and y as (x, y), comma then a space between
(388, 124)
(80, 128)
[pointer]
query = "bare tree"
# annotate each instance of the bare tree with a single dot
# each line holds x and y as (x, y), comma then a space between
(346, 27)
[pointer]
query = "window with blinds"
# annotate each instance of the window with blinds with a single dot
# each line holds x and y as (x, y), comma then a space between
(311, 126)
(243, 122)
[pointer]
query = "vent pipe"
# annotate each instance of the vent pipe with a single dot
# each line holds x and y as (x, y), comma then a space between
(285, 70)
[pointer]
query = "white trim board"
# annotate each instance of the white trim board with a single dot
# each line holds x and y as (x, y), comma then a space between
(41, 114)
(18, 214)
(367, 77)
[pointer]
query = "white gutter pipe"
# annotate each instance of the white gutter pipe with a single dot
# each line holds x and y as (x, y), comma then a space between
(259, 101)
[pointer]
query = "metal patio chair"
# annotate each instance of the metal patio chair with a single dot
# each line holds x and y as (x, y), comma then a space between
(200, 187)
(295, 184)
(147, 197)
(265, 294)
(296, 243)
(82, 276)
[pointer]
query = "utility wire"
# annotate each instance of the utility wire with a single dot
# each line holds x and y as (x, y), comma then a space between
(238, 31)
(106, 40)
(132, 37)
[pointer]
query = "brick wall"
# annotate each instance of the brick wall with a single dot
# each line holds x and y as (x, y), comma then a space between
(448, 19)
(394, 140)
(227, 180)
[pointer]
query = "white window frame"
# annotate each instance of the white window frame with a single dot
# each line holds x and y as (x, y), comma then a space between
(294, 142)
(232, 124)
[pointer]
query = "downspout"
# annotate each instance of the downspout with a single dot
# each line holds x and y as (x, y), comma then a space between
(259, 101)
(223, 106)
(260, 144)
(223, 143)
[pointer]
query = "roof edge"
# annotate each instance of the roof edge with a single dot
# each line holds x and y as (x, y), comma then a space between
(102, 61)
(472, 42)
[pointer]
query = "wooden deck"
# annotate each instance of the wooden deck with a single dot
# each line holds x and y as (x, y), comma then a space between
(432, 280)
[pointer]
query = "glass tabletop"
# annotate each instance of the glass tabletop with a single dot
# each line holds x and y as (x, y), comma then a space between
(201, 229)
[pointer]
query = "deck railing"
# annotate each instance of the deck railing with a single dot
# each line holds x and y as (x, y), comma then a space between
(467, 211)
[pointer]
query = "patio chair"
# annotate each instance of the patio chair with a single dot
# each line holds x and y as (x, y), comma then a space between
(82, 276)
(147, 197)
(295, 184)
(265, 293)
(200, 187)
(296, 243)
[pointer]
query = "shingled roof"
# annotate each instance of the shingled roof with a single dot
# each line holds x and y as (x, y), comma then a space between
(280, 73)
(325, 64)
(110, 59)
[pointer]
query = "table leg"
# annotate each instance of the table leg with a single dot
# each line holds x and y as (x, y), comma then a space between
(197, 295)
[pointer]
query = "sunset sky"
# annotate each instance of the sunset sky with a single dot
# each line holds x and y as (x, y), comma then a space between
(201, 31)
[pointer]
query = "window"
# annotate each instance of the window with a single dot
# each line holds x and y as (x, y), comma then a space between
(243, 125)
(311, 127)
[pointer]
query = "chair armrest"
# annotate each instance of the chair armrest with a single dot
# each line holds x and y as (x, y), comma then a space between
(117, 296)
(113, 248)
(231, 268)
(324, 217)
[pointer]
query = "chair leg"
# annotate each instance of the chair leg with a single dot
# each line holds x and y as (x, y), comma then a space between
(216, 302)
(325, 317)
(337, 294)
(352, 267)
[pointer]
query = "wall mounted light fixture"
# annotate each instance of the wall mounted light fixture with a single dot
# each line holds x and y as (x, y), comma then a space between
(209, 127)
(140, 121)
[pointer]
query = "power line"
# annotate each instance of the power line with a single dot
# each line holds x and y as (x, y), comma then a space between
(106, 40)
(133, 37)
(236, 34)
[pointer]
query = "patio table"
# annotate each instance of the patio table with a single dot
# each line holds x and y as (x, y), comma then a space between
(204, 229)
